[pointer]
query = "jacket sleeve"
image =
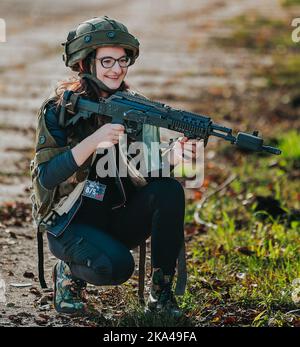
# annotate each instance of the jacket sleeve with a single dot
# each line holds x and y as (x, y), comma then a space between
(61, 166)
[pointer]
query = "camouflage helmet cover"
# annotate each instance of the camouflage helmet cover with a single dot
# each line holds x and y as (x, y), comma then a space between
(97, 32)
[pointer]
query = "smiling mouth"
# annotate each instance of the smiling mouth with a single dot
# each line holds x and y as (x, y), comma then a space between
(112, 78)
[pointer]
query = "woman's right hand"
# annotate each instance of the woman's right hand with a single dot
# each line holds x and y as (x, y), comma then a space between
(104, 137)
(107, 135)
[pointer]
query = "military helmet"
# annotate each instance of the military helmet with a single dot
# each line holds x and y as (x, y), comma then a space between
(97, 32)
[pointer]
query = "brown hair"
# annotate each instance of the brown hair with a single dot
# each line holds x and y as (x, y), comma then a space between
(89, 89)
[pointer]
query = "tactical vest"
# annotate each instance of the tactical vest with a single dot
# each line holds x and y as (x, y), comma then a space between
(46, 148)
(61, 198)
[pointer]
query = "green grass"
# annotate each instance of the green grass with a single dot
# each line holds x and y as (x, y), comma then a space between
(241, 271)
(256, 32)
(290, 146)
(251, 258)
(290, 2)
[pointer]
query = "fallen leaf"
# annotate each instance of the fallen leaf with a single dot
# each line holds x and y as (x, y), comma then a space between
(15, 319)
(197, 195)
(230, 320)
(35, 291)
(28, 274)
(12, 235)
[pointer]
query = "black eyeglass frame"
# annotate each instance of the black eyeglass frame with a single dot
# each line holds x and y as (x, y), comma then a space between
(114, 61)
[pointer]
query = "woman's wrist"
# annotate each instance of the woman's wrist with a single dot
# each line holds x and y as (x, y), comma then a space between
(84, 149)
(93, 142)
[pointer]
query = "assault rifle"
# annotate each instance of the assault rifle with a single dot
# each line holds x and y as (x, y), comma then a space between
(133, 111)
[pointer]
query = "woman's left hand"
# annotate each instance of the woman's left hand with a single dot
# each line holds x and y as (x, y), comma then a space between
(186, 150)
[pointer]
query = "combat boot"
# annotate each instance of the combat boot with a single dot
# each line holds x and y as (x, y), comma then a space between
(69, 293)
(161, 298)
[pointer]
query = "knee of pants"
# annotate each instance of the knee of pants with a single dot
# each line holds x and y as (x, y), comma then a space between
(170, 189)
(112, 271)
(123, 268)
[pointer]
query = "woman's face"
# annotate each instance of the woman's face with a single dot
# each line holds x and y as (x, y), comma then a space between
(112, 77)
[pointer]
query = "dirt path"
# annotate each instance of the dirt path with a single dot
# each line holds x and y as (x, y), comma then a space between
(174, 37)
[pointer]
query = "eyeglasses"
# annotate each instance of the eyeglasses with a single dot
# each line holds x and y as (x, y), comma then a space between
(109, 62)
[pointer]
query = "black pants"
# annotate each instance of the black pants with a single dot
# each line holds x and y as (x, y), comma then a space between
(103, 257)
